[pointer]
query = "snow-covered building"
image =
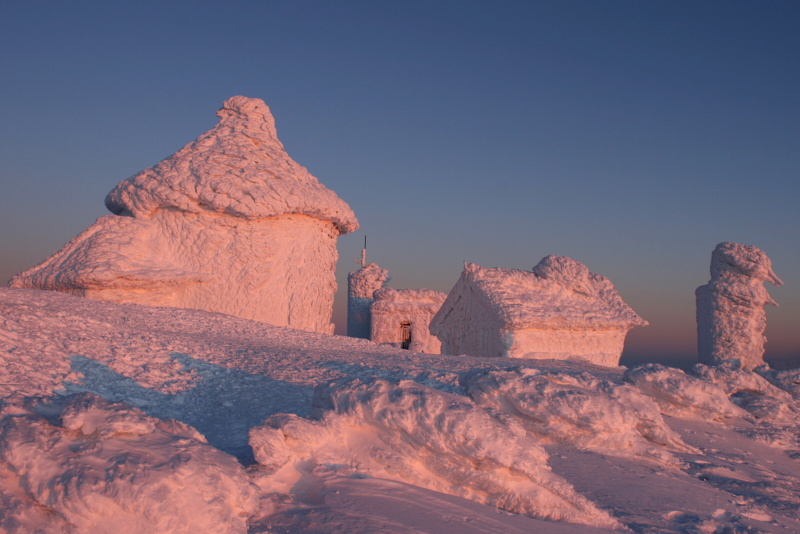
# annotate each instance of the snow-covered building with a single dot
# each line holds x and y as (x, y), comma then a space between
(560, 310)
(229, 223)
(730, 309)
(401, 317)
(361, 285)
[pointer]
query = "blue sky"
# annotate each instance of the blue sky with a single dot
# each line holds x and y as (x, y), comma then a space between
(631, 136)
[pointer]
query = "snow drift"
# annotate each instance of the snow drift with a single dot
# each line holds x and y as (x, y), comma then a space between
(82, 463)
(421, 436)
(579, 410)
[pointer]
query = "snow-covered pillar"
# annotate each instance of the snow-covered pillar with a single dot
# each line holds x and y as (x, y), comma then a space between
(730, 309)
(361, 284)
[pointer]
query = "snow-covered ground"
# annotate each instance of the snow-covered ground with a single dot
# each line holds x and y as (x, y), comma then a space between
(127, 418)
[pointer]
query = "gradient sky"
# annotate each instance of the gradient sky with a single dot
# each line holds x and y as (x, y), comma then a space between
(631, 136)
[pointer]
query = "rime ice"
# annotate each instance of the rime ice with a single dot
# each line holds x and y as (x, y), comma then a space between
(730, 308)
(361, 285)
(229, 223)
(401, 317)
(560, 310)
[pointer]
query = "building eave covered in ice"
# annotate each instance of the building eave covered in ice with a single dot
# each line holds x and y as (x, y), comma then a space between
(559, 310)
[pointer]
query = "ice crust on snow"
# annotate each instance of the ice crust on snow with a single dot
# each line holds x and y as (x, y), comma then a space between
(418, 435)
(730, 309)
(560, 310)
(83, 464)
(415, 307)
(229, 223)
(361, 286)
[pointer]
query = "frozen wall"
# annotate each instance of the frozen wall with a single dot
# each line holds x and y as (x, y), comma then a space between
(730, 309)
(415, 307)
(468, 326)
(230, 223)
(602, 347)
(361, 284)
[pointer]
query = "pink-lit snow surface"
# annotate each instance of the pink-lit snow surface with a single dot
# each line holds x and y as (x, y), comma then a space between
(127, 418)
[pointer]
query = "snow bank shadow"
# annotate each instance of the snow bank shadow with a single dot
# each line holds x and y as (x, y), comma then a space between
(223, 404)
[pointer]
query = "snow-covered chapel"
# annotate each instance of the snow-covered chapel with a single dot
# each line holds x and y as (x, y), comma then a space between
(229, 223)
(559, 310)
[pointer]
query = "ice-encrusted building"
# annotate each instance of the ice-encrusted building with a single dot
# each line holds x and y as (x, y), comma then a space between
(229, 223)
(401, 317)
(730, 309)
(361, 285)
(560, 310)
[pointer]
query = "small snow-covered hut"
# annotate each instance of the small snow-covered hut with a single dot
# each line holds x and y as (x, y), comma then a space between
(361, 285)
(229, 223)
(401, 317)
(560, 310)
(730, 308)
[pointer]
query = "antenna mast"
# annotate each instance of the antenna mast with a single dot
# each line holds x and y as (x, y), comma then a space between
(363, 261)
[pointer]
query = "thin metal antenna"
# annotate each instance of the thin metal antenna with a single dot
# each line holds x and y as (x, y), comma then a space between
(363, 261)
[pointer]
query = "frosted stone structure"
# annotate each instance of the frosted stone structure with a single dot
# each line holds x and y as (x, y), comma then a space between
(229, 223)
(730, 309)
(361, 284)
(401, 317)
(558, 311)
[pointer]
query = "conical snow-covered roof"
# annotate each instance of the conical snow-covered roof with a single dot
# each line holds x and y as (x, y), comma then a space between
(237, 168)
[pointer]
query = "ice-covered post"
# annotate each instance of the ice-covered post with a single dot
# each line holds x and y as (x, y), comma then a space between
(361, 284)
(730, 309)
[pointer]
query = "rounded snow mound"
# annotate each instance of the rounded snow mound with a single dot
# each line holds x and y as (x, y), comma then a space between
(237, 168)
(84, 464)
(421, 436)
(579, 410)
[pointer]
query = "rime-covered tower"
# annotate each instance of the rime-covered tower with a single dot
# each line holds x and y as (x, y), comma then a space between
(730, 308)
(361, 285)
(229, 223)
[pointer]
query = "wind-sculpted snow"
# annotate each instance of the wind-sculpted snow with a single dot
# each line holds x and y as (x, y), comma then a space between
(237, 168)
(752, 392)
(395, 415)
(407, 432)
(84, 464)
(579, 410)
(730, 308)
(682, 395)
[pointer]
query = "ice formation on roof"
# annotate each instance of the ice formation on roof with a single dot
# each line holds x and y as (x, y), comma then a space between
(560, 292)
(551, 312)
(730, 309)
(237, 168)
(229, 223)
